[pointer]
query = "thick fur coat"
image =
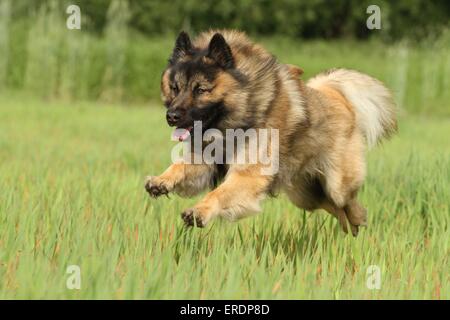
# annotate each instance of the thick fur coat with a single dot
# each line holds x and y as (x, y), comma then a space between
(325, 126)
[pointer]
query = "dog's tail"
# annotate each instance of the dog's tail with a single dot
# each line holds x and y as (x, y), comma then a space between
(373, 102)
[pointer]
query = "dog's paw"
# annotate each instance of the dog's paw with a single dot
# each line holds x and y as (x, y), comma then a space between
(354, 229)
(155, 187)
(357, 217)
(193, 217)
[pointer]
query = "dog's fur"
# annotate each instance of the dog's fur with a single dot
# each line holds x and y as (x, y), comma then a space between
(324, 127)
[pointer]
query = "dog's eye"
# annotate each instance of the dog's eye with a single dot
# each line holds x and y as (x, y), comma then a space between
(200, 90)
(174, 88)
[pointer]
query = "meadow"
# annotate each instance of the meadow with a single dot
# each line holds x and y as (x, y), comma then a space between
(72, 176)
(81, 125)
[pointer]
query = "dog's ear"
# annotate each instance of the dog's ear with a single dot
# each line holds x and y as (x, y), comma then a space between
(220, 51)
(183, 47)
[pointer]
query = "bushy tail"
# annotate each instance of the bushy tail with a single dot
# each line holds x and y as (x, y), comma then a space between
(373, 102)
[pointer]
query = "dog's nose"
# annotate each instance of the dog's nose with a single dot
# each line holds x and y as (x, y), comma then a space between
(173, 116)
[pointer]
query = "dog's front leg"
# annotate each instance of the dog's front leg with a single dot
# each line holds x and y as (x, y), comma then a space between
(238, 195)
(184, 179)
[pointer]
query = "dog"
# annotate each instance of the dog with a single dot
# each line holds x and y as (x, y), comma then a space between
(325, 126)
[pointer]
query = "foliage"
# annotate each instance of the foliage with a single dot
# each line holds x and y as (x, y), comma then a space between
(294, 18)
(43, 57)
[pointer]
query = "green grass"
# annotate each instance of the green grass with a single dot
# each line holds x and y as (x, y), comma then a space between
(71, 181)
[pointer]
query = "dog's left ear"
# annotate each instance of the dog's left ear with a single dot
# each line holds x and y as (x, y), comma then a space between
(220, 51)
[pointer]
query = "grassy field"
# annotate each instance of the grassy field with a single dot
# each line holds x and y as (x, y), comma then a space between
(71, 181)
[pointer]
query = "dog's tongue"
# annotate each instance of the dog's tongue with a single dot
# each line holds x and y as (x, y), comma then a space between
(180, 134)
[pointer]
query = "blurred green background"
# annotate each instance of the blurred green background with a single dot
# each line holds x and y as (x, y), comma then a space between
(123, 45)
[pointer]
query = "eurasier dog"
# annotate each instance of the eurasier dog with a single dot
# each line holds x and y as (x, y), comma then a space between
(324, 127)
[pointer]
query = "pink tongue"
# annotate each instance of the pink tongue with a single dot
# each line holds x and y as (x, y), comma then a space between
(180, 134)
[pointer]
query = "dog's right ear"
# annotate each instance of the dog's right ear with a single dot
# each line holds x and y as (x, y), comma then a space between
(183, 47)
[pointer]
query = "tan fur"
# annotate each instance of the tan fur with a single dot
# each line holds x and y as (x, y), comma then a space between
(295, 71)
(322, 138)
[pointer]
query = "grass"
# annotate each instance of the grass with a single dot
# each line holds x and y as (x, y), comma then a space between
(71, 181)
(71, 177)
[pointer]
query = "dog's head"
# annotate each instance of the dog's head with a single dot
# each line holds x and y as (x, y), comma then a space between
(196, 83)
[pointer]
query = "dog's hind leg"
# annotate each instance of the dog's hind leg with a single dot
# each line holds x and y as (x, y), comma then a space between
(343, 175)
